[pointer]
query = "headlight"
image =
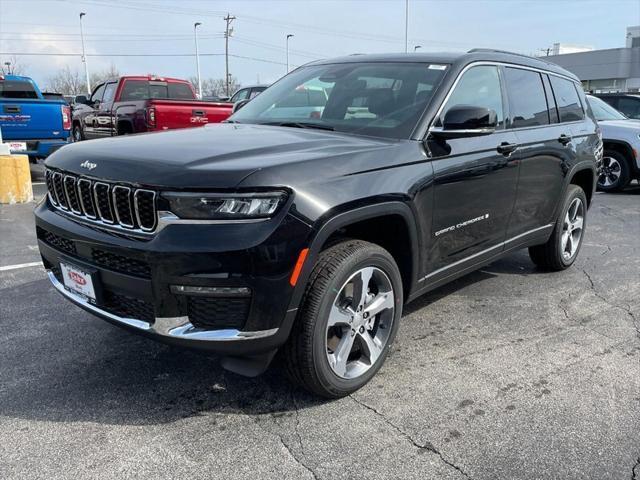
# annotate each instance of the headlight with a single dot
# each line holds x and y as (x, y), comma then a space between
(206, 206)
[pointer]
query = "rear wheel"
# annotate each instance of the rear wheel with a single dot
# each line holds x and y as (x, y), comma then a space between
(348, 320)
(614, 174)
(78, 134)
(562, 248)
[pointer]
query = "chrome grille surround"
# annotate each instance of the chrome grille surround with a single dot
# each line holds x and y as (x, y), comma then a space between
(105, 204)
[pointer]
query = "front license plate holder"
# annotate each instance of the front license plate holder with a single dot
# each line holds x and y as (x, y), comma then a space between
(81, 281)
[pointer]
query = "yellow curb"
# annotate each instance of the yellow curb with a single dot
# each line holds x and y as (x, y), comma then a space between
(15, 179)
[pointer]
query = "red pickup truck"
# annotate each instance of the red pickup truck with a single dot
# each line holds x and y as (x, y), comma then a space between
(135, 104)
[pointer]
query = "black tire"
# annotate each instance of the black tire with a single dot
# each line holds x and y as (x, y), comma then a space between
(305, 355)
(615, 173)
(77, 133)
(549, 255)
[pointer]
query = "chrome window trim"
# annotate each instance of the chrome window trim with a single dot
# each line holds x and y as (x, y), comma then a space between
(119, 221)
(498, 64)
(66, 192)
(135, 206)
(98, 210)
(84, 208)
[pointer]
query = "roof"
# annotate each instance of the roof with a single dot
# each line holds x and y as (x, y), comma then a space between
(460, 58)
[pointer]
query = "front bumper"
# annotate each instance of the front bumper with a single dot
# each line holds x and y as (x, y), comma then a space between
(135, 278)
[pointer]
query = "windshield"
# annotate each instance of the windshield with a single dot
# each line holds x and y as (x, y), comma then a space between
(603, 111)
(378, 99)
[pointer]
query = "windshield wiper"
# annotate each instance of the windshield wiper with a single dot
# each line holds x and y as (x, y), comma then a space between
(319, 126)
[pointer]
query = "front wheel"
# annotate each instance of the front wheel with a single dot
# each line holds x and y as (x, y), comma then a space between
(348, 319)
(562, 248)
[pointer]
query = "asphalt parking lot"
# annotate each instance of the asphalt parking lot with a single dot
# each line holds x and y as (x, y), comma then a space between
(508, 373)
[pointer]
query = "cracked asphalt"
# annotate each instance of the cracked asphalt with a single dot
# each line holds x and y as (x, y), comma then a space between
(507, 373)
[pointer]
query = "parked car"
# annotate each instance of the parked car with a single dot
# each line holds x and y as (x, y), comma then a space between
(307, 235)
(621, 139)
(143, 104)
(627, 103)
(32, 124)
(247, 93)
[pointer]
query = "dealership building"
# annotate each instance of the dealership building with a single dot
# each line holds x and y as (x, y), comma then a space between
(611, 70)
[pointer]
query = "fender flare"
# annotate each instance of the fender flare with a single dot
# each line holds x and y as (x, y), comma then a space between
(578, 167)
(347, 218)
(633, 165)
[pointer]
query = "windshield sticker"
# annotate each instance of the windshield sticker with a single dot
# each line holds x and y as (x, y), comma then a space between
(434, 66)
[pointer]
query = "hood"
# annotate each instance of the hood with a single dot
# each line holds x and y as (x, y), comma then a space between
(215, 156)
(613, 125)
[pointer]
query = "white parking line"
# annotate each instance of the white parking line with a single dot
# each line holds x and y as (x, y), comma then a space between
(20, 265)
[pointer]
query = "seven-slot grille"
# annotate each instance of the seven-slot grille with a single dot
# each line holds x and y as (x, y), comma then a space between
(105, 203)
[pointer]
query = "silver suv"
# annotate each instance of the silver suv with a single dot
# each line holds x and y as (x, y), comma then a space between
(621, 139)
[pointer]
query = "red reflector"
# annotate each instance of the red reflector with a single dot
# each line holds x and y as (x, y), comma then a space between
(296, 270)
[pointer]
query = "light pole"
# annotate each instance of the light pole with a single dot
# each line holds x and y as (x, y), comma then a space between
(195, 34)
(415, 49)
(289, 35)
(84, 57)
(406, 26)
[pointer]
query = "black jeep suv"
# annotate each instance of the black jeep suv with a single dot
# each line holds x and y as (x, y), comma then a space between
(304, 228)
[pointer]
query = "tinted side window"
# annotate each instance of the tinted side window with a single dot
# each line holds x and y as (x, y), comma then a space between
(135, 90)
(97, 94)
(109, 92)
(240, 95)
(478, 87)
(569, 105)
(180, 91)
(527, 100)
(629, 106)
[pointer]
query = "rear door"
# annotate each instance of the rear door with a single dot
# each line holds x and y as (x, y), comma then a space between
(546, 148)
(475, 180)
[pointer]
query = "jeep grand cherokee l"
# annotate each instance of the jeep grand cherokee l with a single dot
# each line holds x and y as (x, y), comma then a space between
(307, 235)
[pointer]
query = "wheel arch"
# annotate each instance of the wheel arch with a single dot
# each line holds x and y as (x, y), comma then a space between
(124, 126)
(361, 223)
(623, 148)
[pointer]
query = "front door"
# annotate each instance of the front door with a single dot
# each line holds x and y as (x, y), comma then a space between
(90, 117)
(475, 181)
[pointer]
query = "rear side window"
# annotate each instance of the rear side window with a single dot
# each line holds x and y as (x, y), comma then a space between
(478, 87)
(180, 91)
(135, 90)
(17, 89)
(569, 106)
(527, 100)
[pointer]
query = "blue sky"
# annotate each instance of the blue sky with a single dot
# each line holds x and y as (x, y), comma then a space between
(322, 28)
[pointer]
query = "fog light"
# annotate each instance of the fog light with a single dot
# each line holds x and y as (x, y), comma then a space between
(211, 291)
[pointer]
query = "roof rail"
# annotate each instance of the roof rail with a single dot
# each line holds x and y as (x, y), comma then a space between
(493, 50)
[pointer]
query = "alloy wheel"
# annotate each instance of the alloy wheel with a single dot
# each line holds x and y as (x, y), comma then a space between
(610, 172)
(360, 322)
(572, 229)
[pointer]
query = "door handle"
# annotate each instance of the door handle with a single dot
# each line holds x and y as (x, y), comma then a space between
(564, 139)
(506, 148)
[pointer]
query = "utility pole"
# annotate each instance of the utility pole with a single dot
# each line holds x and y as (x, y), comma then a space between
(406, 26)
(195, 33)
(227, 33)
(288, 37)
(84, 57)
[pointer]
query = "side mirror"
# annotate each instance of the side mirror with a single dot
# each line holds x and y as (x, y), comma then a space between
(467, 121)
(81, 99)
(238, 105)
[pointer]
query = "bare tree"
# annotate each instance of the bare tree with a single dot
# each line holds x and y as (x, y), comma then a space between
(103, 75)
(67, 81)
(15, 67)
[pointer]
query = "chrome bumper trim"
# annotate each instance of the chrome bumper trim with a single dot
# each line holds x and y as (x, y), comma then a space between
(172, 327)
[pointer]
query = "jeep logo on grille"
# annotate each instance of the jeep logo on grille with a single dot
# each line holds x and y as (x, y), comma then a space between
(88, 165)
